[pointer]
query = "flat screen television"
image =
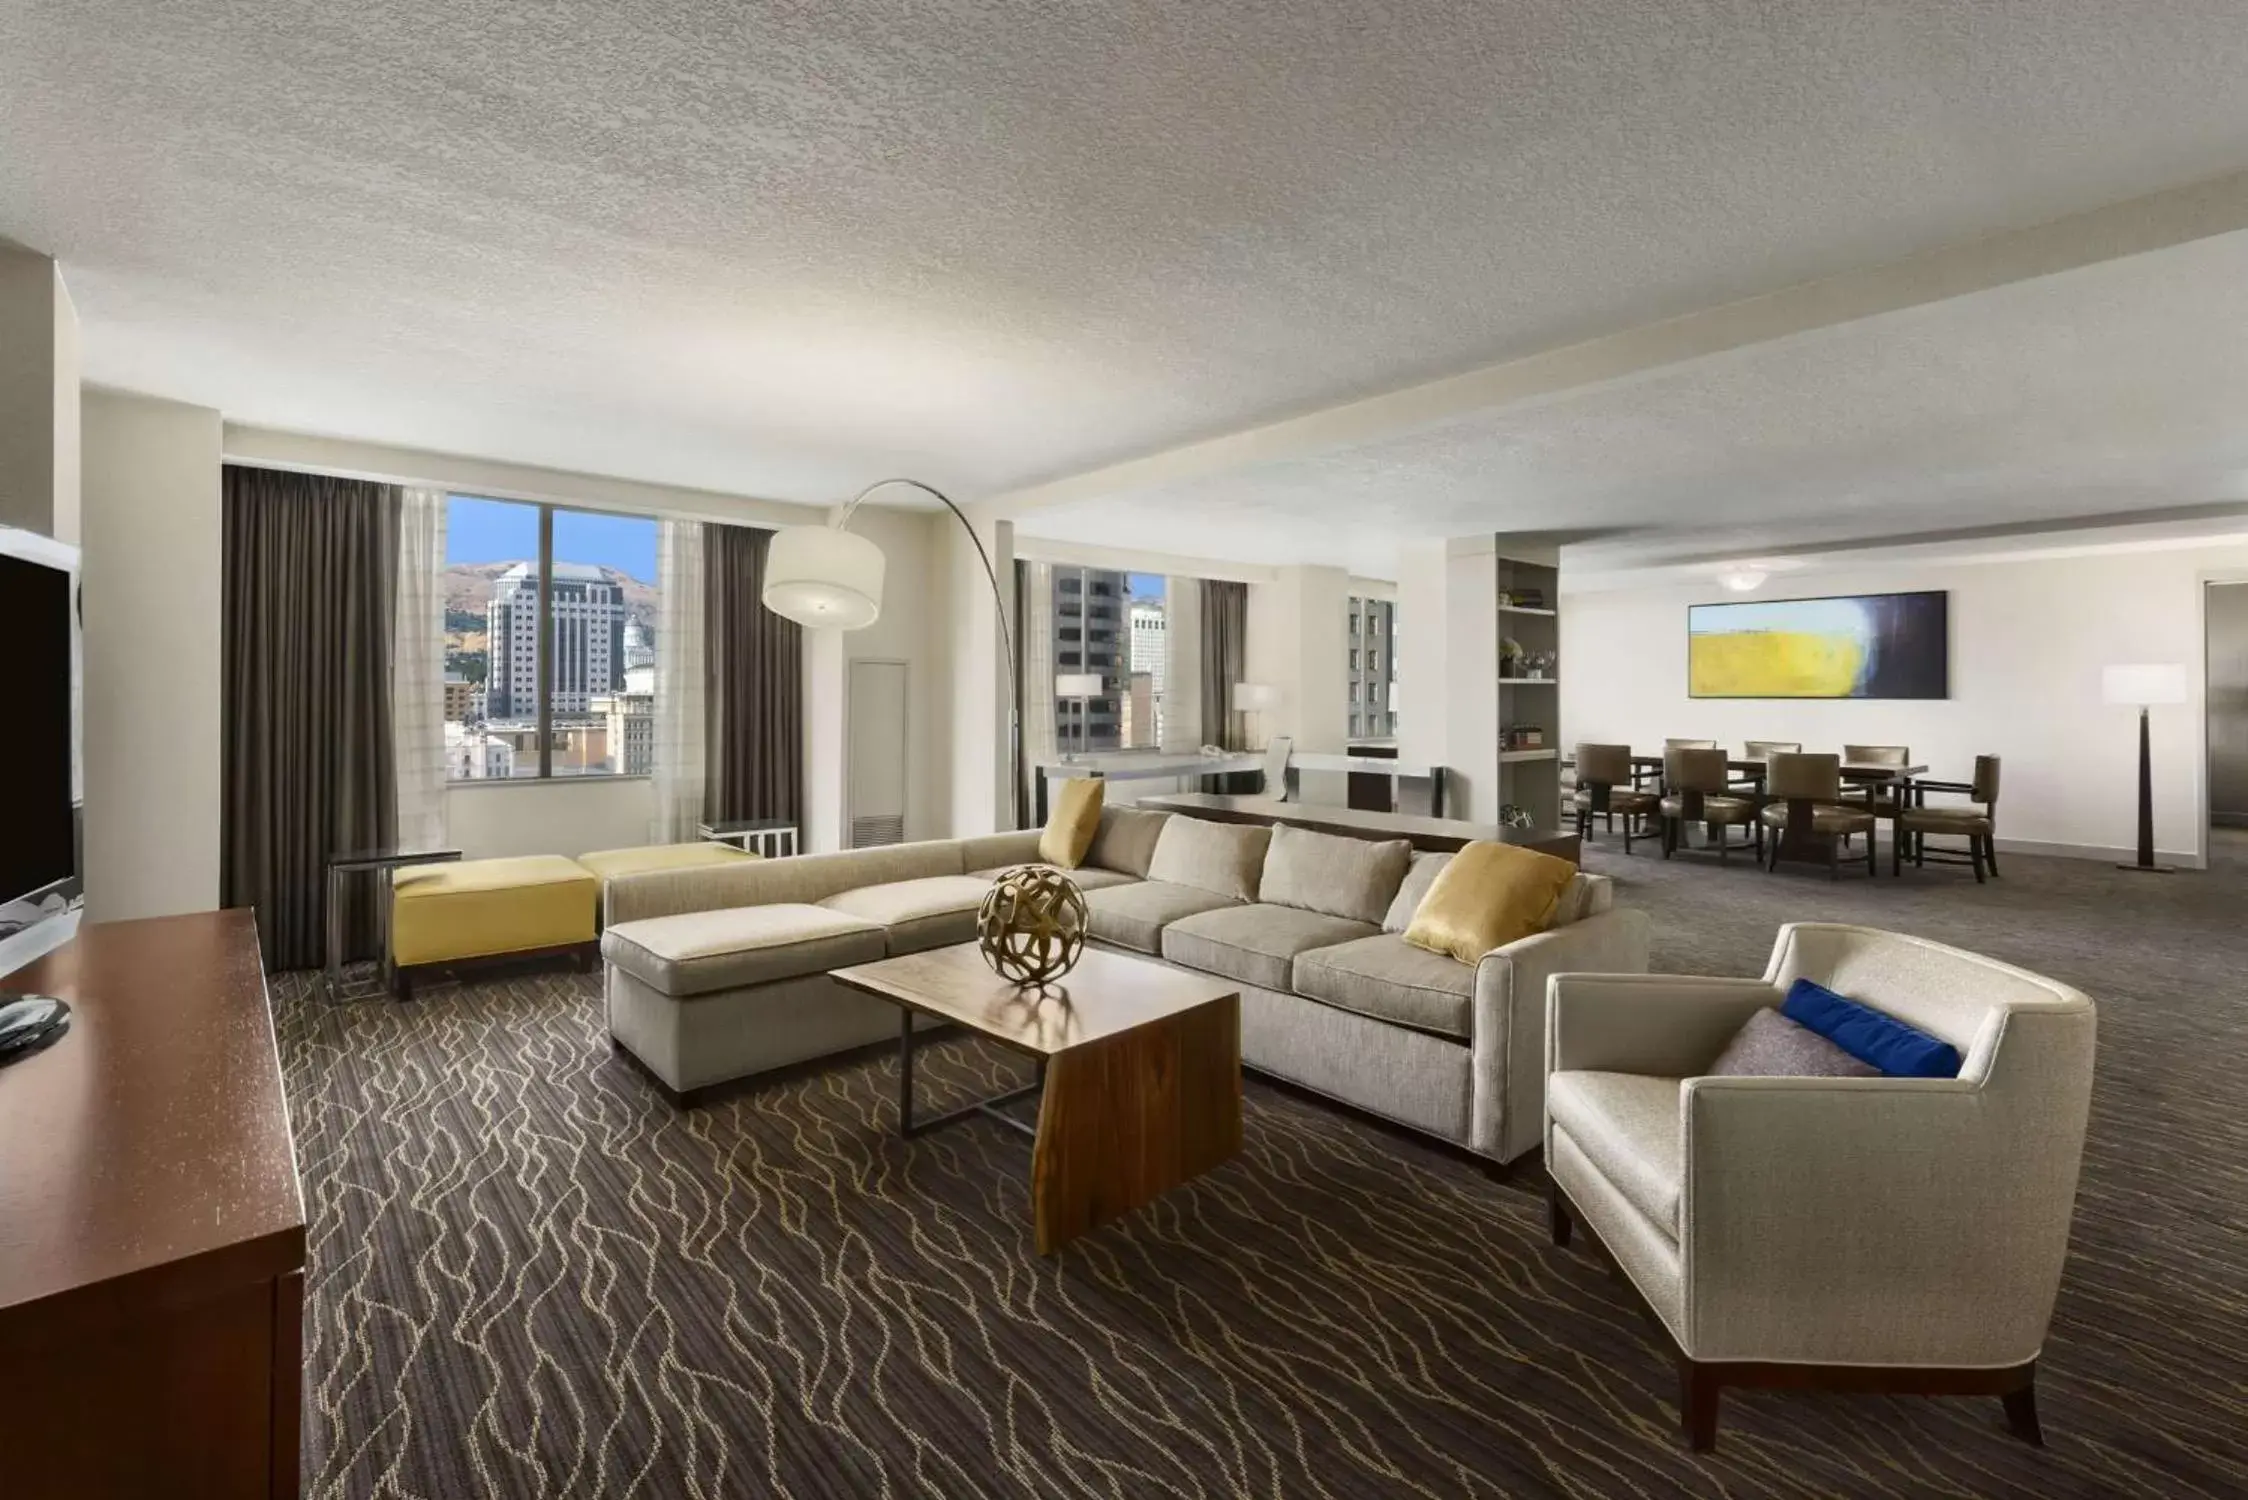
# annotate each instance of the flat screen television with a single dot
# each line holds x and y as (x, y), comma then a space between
(42, 779)
(1851, 646)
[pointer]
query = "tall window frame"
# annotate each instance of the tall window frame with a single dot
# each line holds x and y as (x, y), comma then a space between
(545, 638)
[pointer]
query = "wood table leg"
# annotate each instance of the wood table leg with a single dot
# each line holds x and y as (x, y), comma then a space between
(1127, 1118)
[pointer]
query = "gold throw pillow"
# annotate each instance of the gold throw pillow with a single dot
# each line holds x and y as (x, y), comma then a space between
(1488, 896)
(1071, 824)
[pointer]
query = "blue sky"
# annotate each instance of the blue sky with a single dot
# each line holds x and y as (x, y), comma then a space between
(487, 531)
(483, 531)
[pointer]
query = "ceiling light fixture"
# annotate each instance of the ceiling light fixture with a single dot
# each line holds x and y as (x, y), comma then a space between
(1743, 579)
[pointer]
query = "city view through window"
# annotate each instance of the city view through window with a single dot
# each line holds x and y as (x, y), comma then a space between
(1112, 626)
(598, 700)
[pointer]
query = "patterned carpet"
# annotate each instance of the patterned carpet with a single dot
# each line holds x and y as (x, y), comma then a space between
(531, 1277)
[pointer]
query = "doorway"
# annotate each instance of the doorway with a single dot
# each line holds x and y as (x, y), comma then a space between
(2225, 701)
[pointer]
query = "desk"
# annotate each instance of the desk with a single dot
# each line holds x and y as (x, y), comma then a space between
(1144, 766)
(1436, 835)
(152, 1238)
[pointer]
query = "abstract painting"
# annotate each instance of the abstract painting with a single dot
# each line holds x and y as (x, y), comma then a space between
(1856, 646)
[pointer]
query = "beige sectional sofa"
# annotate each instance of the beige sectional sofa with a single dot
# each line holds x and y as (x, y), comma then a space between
(720, 973)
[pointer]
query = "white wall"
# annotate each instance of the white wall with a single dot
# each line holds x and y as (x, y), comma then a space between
(908, 631)
(2028, 641)
(571, 816)
(972, 737)
(39, 406)
(151, 526)
(1298, 637)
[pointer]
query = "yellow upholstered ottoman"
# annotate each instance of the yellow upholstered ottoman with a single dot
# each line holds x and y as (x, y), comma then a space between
(490, 908)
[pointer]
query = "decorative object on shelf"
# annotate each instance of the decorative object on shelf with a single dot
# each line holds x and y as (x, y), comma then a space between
(1510, 656)
(1031, 925)
(1537, 664)
(1511, 816)
(1526, 737)
(828, 578)
(2141, 687)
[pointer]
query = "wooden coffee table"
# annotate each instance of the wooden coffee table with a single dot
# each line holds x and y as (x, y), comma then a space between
(1139, 1072)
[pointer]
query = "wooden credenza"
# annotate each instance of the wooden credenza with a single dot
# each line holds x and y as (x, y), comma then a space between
(152, 1237)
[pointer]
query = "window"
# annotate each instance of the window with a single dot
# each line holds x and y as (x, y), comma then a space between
(550, 645)
(1111, 625)
(1371, 669)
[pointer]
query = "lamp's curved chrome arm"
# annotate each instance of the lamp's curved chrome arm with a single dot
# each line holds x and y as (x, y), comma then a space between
(999, 603)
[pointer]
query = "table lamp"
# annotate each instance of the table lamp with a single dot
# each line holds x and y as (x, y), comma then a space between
(2141, 687)
(1079, 685)
(1253, 698)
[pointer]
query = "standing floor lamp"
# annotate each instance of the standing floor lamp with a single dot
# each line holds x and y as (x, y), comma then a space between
(2143, 687)
(827, 578)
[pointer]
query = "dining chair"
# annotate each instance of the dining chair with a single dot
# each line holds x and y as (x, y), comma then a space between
(1604, 788)
(1762, 750)
(1803, 811)
(1695, 790)
(1978, 825)
(1879, 799)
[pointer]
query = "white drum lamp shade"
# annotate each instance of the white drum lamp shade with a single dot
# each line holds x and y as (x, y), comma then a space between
(1077, 685)
(2140, 686)
(823, 578)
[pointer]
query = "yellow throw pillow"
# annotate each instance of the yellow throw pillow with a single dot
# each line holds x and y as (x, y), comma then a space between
(1070, 827)
(1488, 896)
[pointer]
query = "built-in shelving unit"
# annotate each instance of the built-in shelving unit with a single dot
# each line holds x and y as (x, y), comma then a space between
(1528, 618)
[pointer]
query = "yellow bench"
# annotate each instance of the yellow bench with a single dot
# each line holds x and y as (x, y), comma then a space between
(608, 864)
(491, 908)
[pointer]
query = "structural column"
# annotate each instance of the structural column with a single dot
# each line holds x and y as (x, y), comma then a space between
(38, 396)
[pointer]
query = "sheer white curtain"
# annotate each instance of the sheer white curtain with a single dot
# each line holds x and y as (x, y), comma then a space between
(417, 668)
(1036, 631)
(680, 684)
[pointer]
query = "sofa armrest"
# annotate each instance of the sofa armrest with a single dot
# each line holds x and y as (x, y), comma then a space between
(1868, 1220)
(1670, 1025)
(1507, 1109)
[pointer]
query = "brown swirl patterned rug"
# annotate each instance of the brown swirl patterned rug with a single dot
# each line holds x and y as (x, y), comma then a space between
(531, 1277)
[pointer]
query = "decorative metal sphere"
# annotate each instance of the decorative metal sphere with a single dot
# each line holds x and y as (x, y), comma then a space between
(1032, 924)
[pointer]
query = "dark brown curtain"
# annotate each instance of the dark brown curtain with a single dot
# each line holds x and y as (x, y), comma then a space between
(754, 711)
(1225, 627)
(306, 746)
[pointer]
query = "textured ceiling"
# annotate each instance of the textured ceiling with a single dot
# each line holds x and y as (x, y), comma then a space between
(2103, 391)
(779, 248)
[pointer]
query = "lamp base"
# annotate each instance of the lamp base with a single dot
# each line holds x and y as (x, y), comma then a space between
(2151, 869)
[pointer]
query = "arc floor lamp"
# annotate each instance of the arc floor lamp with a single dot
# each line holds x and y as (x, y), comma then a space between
(830, 578)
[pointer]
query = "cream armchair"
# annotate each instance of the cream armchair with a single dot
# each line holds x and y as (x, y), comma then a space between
(1858, 1233)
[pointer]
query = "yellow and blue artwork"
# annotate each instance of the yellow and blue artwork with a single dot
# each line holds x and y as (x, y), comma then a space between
(1857, 646)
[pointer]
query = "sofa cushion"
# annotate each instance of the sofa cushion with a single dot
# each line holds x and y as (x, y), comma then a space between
(1134, 916)
(1385, 977)
(1491, 894)
(1084, 877)
(1627, 1124)
(1070, 826)
(1225, 859)
(1772, 1046)
(1585, 896)
(1325, 872)
(925, 913)
(610, 864)
(1255, 944)
(1126, 839)
(697, 952)
(1419, 876)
